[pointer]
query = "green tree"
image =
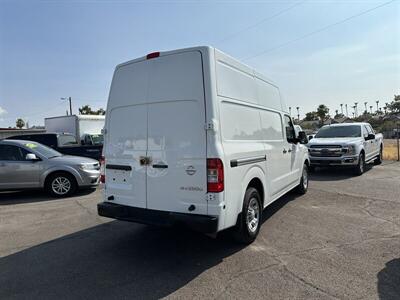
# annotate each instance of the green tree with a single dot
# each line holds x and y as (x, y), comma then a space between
(322, 112)
(87, 110)
(20, 123)
(311, 116)
(100, 111)
(339, 115)
(394, 106)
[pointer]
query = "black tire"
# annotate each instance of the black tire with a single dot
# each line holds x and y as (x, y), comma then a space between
(379, 159)
(360, 168)
(303, 186)
(61, 184)
(242, 232)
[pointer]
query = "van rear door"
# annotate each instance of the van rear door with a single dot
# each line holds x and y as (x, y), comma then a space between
(157, 112)
(176, 177)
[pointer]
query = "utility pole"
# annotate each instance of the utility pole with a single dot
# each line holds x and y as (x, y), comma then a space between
(370, 108)
(347, 113)
(365, 103)
(341, 108)
(377, 103)
(70, 104)
(298, 114)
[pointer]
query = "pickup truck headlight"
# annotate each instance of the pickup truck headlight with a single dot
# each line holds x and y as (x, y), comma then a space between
(351, 149)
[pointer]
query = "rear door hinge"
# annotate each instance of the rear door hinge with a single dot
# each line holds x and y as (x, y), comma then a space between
(210, 126)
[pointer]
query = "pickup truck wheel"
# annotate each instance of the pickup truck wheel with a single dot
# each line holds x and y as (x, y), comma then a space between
(303, 186)
(359, 169)
(61, 184)
(379, 159)
(249, 221)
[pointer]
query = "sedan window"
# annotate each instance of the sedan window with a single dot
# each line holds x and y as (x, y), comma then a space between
(11, 153)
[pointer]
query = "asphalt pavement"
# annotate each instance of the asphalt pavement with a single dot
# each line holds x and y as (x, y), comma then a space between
(340, 240)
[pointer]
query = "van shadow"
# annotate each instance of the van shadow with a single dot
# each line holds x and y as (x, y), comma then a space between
(117, 260)
(335, 173)
(112, 260)
(389, 280)
(38, 195)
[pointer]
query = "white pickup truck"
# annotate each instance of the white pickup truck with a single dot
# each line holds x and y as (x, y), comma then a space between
(350, 144)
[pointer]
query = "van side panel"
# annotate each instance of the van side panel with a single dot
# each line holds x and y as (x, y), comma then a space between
(250, 127)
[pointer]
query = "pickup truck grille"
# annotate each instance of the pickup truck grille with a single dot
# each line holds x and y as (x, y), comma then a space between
(326, 150)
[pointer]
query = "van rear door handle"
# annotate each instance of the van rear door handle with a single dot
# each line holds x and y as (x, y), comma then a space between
(160, 166)
(290, 150)
(284, 151)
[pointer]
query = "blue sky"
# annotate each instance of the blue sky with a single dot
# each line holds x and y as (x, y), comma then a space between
(53, 49)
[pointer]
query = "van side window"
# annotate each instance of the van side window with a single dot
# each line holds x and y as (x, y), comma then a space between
(289, 129)
(240, 122)
(271, 125)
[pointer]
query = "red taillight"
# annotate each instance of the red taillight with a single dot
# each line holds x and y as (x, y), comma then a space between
(102, 173)
(152, 55)
(215, 175)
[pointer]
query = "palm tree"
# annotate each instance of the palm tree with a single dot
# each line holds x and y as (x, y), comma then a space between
(322, 112)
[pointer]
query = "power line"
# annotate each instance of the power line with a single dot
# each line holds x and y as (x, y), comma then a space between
(281, 12)
(318, 30)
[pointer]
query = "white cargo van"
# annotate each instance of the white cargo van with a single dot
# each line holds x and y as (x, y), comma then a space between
(195, 138)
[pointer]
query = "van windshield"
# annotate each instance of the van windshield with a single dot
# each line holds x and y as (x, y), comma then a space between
(339, 131)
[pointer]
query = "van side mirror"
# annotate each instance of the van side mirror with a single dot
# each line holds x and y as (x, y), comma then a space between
(302, 137)
(370, 136)
(310, 137)
(31, 157)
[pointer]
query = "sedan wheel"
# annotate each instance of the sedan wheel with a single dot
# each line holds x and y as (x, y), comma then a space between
(61, 185)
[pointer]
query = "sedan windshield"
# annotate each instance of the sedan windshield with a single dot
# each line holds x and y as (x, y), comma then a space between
(42, 149)
(339, 131)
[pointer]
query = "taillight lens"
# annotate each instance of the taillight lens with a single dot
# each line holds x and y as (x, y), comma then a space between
(215, 175)
(102, 173)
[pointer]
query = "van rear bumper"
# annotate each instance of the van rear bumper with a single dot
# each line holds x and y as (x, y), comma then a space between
(201, 223)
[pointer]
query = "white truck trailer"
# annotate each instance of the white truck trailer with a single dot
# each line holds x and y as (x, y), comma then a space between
(86, 128)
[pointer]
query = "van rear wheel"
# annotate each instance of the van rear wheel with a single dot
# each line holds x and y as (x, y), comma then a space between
(249, 221)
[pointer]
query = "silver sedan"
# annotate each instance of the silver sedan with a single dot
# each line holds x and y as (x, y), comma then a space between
(27, 164)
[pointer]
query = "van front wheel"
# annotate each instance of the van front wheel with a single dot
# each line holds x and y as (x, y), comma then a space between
(249, 221)
(303, 186)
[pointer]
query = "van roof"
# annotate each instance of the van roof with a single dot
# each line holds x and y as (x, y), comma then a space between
(203, 49)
